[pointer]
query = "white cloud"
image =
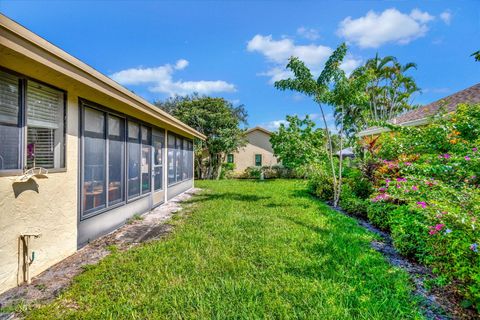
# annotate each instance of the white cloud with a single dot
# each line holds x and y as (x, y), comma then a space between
(308, 33)
(181, 64)
(161, 80)
(446, 16)
(390, 26)
(274, 125)
(420, 16)
(277, 53)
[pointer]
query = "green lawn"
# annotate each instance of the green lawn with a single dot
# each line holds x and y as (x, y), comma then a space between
(248, 250)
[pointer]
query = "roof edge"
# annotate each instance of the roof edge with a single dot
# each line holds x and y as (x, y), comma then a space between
(259, 129)
(34, 39)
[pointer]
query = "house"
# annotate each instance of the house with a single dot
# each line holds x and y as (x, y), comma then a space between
(79, 154)
(421, 116)
(258, 151)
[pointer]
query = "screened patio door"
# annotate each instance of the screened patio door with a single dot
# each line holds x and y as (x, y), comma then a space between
(158, 143)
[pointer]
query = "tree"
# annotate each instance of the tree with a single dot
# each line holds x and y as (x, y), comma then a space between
(390, 89)
(476, 55)
(218, 120)
(298, 143)
(334, 88)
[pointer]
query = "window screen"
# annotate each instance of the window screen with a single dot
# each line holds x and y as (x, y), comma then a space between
(133, 159)
(146, 158)
(9, 122)
(116, 159)
(45, 121)
(94, 195)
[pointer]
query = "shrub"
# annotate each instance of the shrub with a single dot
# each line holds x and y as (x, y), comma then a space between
(360, 186)
(321, 185)
(269, 172)
(409, 231)
(379, 214)
(351, 204)
(227, 170)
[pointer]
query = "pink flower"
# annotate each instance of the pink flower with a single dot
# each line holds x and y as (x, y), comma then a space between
(414, 188)
(446, 156)
(439, 226)
(408, 164)
(474, 149)
(467, 158)
(422, 204)
(382, 189)
(401, 179)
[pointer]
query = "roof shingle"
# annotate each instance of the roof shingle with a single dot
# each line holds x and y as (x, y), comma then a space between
(469, 95)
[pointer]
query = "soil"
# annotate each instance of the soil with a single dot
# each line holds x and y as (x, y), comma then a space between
(47, 285)
(442, 303)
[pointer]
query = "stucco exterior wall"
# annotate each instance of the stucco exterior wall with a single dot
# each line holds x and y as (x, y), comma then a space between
(258, 143)
(46, 206)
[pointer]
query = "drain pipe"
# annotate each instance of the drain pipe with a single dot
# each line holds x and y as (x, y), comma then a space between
(27, 258)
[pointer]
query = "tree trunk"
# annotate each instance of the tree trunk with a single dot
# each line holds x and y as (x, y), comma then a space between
(329, 151)
(340, 165)
(219, 171)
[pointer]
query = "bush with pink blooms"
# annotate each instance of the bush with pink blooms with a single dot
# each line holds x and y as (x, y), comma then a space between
(427, 194)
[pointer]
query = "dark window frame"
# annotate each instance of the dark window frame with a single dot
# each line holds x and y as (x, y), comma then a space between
(230, 158)
(22, 124)
(261, 159)
(109, 111)
(183, 150)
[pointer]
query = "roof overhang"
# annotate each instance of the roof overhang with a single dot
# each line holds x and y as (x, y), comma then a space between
(257, 128)
(21, 40)
(378, 130)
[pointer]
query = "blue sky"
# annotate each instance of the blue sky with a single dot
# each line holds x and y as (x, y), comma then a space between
(235, 49)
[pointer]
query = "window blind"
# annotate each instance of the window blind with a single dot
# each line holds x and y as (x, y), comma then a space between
(9, 98)
(44, 106)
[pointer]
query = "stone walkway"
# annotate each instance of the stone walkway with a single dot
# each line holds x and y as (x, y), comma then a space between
(52, 281)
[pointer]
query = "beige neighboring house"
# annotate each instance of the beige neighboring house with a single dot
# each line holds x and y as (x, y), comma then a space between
(258, 151)
(79, 154)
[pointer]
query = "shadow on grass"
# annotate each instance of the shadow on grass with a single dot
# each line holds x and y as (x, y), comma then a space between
(227, 196)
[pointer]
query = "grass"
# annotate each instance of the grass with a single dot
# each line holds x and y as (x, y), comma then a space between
(247, 250)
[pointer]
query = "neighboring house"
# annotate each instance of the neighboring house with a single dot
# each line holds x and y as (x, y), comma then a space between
(109, 154)
(421, 116)
(257, 152)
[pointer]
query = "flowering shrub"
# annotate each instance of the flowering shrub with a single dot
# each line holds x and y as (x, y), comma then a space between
(427, 193)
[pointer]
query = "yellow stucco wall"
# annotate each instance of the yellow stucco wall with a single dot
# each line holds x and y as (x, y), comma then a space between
(258, 143)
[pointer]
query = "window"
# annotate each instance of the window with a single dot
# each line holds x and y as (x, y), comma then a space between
(146, 158)
(94, 146)
(45, 133)
(258, 160)
(116, 159)
(133, 159)
(158, 144)
(185, 157)
(9, 122)
(171, 158)
(42, 109)
(180, 158)
(229, 158)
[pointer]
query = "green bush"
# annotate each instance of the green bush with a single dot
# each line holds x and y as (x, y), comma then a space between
(409, 232)
(379, 213)
(269, 172)
(359, 185)
(351, 204)
(227, 170)
(321, 185)
(430, 175)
